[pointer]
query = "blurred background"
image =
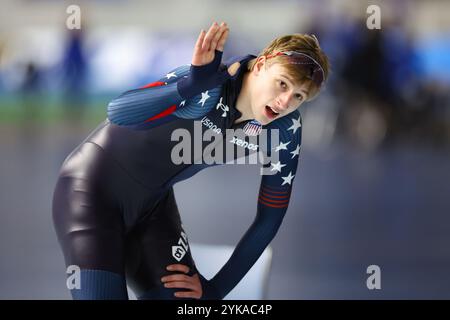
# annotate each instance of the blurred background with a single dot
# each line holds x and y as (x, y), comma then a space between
(372, 187)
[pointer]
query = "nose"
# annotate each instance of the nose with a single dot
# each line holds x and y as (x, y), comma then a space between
(283, 101)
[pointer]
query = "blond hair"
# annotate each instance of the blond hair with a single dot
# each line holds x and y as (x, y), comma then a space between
(304, 43)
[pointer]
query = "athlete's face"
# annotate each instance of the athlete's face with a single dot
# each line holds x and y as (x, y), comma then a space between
(273, 93)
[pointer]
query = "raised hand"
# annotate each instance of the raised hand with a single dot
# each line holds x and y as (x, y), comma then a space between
(206, 71)
(208, 42)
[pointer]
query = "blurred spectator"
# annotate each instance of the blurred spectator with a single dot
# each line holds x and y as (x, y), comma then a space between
(31, 98)
(75, 71)
(382, 79)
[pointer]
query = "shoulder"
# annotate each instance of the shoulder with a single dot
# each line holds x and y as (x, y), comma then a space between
(289, 127)
(283, 150)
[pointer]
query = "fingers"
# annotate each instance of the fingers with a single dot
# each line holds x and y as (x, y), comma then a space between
(209, 36)
(223, 38)
(178, 267)
(180, 285)
(200, 39)
(175, 277)
(219, 35)
(188, 294)
(208, 42)
(183, 281)
(213, 36)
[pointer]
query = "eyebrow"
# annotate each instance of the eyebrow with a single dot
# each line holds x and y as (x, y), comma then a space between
(292, 82)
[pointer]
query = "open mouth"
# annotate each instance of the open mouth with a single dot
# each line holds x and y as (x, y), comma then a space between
(271, 114)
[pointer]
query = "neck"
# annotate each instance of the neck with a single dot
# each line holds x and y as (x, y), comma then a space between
(243, 101)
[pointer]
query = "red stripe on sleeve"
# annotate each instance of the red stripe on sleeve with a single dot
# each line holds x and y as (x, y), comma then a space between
(267, 190)
(272, 205)
(154, 84)
(165, 113)
(273, 201)
(272, 196)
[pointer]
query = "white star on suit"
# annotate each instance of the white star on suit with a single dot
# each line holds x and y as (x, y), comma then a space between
(205, 96)
(282, 146)
(295, 124)
(182, 103)
(288, 178)
(296, 152)
(171, 75)
(277, 166)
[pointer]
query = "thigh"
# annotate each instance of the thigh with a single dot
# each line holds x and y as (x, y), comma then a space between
(89, 231)
(158, 240)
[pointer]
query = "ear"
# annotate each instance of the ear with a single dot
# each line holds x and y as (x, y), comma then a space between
(259, 65)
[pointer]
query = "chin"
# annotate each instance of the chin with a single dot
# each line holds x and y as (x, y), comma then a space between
(264, 121)
(260, 116)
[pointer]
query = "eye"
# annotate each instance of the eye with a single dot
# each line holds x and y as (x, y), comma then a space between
(299, 97)
(283, 84)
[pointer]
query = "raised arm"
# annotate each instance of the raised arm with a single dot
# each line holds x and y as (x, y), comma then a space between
(161, 98)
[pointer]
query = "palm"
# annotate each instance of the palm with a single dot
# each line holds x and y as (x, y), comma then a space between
(207, 43)
(202, 58)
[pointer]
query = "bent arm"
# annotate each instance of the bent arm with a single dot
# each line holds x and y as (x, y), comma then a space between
(273, 201)
(247, 252)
